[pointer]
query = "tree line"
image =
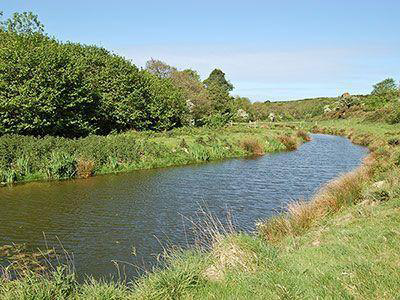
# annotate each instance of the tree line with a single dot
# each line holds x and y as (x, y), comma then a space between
(48, 87)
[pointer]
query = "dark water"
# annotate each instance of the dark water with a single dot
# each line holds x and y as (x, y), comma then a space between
(100, 219)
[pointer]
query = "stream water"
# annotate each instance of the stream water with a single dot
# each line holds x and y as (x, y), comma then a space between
(109, 218)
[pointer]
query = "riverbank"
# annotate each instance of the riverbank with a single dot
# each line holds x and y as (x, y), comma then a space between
(344, 243)
(26, 158)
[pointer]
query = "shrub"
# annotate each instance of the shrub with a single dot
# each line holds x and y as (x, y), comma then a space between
(394, 115)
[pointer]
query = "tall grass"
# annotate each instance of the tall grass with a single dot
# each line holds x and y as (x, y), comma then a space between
(303, 135)
(300, 216)
(24, 158)
(252, 146)
(289, 142)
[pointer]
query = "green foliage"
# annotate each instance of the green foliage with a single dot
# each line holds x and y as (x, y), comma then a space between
(394, 116)
(292, 110)
(72, 90)
(192, 74)
(245, 110)
(217, 77)
(159, 68)
(47, 87)
(26, 158)
(61, 165)
(195, 93)
(221, 101)
(376, 101)
(386, 86)
(349, 101)
(64, 281)
(217, 119)
(22, 23)
(56, 158)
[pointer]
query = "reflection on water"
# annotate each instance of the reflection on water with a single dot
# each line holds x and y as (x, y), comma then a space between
(101, 219)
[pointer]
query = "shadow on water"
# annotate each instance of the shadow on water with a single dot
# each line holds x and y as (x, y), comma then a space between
(107, 218)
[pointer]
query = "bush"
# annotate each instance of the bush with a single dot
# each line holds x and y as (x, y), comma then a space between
(394, 116)
(84, 168)
(52, 88)
(61, 165)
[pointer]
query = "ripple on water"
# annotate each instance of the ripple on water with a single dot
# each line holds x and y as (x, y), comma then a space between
(101, 218)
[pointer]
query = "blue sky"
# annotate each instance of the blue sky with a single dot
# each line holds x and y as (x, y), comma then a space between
(270, 50)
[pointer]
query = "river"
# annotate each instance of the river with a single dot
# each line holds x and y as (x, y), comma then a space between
(110, 218)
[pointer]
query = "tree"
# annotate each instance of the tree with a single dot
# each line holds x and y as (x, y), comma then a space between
(217, 78)
(243, 104)
(195, 93)
(222, 104)
(261, 110)
(22, 23)
(67, 89)
(387, 86)
(159, 68)
(192, 74)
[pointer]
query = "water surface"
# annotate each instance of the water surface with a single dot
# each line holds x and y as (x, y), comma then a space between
(101, 219)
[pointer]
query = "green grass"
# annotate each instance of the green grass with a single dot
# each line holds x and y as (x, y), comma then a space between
(352, 255)
(26, 158)
(342, 244)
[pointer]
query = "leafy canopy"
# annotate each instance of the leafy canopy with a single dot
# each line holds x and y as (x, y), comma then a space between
(22, 23)
(68, 89)
(159, 68)
(384, 87)
(217, 77)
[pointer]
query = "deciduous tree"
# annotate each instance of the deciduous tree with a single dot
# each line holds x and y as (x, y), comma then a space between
(159, 68)
(386, 86)
(22, 23)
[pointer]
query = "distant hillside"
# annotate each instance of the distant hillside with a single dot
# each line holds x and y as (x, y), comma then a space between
(299, 109)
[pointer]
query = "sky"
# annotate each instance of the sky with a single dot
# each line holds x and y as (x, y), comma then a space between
(269, 50)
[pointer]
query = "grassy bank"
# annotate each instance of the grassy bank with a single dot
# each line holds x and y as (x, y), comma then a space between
(342, 244)
(27, 158)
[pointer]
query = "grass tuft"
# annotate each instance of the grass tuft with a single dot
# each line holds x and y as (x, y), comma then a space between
(300, 216)
(252, 146)
(84, 168)
(303, 135)
(289, 142)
